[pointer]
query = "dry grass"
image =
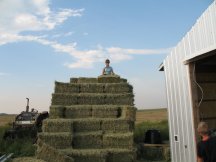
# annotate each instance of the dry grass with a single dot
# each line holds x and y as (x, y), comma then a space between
(141, 116)
(6, 119)
(151, 115)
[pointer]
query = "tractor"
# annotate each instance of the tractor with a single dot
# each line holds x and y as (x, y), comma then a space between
(27, 123)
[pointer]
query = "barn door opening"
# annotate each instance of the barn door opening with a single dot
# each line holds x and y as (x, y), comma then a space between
(203, 74)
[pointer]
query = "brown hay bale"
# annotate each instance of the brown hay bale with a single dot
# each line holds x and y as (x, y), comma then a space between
(117, 125)
(57, 125)
(118, 140)
(91, 99)
(106, 111)
(87, 80)
(129, 113)
(50, 154)
(91, 88)
(109, 79)
(66, 88)
(27, 159)
(121, 155)
(118, 88)
(87, 155)
(73, 80)
(64, 99)
(88, 140)
(78, 111)
(57, 140)
(122, 80)
(57, 111)
(119, 99)
(85, 125)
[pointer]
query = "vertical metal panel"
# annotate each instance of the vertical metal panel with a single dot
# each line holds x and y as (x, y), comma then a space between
(199, 40)
(170, 112)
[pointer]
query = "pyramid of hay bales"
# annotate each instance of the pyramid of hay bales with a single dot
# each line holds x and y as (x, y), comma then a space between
(91, 120)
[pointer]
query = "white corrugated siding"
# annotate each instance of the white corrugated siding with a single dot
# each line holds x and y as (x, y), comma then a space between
(199, 40)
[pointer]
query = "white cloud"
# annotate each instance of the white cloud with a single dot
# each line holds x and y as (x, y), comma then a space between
(36, 15)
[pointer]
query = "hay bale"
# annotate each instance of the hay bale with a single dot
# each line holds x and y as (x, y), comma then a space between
(87, 155)
(109, 79)
(87, 80)
(121, 155)
(57, 140)
(64, 99)
(91, 88)
(57, 111)
(129, 113)
(91, 99)
(27, 159)
(66, 88)
(118, 88)
(57, 125)
(50, 154)
(118, 140)
(117, 125)
(106, 111)
(86, 125)
(73, 80)
(119, 99)
(122, 80)
(88, 140)
(78, 111)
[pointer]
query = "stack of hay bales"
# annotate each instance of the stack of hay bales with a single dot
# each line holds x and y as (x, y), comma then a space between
(91, 120)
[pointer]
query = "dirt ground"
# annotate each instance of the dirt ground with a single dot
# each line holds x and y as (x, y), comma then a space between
(151, 115)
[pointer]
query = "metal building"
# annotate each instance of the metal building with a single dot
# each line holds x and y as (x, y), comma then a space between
(190, 74)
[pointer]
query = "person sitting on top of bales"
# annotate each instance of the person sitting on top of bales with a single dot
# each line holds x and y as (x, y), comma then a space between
(206, 148)
(108, 70)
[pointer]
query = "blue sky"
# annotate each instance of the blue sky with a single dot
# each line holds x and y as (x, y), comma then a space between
(46, 40)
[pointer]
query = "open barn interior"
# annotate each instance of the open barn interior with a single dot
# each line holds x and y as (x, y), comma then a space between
(204, 80)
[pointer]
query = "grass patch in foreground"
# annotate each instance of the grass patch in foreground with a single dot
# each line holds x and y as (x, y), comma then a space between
(20, 147)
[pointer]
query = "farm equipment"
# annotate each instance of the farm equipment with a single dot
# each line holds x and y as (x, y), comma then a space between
(27, 123)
